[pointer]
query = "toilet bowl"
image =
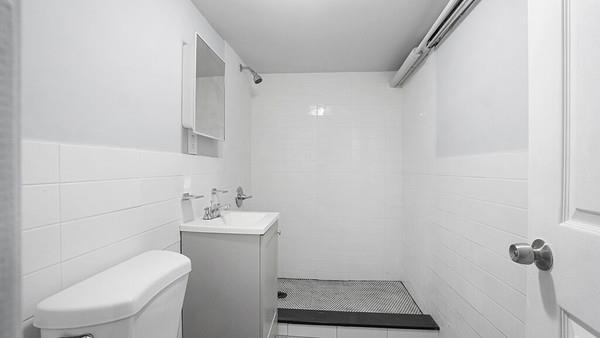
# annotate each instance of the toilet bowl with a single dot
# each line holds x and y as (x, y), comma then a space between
(141, 297)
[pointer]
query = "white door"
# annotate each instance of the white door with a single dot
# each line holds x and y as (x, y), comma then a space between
(564, 84)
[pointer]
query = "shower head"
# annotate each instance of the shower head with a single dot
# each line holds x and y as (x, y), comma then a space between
(257, 78)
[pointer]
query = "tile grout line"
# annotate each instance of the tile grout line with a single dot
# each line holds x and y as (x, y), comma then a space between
(153, 203)
(123, 239)
(60, 216)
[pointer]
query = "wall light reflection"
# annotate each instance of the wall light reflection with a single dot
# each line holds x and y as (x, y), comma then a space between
(316, 110)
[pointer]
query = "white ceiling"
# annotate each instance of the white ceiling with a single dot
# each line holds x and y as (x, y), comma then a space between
(296, 36)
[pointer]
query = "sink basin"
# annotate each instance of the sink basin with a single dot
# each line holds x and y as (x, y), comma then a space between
(234, 222)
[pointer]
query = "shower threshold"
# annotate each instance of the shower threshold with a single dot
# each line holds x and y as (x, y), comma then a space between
(362, 304)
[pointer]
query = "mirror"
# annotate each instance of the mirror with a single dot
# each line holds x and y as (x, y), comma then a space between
(209, 114)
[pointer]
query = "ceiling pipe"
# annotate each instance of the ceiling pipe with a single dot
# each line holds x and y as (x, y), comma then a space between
(452, 15)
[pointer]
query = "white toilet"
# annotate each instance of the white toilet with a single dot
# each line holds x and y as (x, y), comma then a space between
(139, 298)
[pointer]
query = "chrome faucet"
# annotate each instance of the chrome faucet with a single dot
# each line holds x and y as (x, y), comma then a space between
(214, 210)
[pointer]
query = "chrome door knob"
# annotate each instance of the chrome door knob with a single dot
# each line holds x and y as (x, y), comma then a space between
(538, 252)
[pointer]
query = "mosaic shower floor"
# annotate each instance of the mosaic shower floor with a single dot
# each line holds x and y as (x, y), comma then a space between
(347, 296)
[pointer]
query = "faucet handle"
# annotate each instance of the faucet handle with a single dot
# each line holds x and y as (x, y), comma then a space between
(187, 196)
(215, 191)
(239, 199)
(206, 214)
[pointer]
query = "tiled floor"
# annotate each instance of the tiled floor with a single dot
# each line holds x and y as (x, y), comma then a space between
(347, 296)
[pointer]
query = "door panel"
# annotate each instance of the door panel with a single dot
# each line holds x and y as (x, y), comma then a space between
(564, 76)
(578, 237)
(572, 328)
(584, 112)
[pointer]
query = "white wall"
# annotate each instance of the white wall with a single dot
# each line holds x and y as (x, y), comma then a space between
(102, 170)
(487, 55)
(107, 72)
(465, 203)
(335, 178)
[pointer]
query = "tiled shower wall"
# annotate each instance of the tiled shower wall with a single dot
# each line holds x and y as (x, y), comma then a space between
(326, 154)
(86, 208)
(465, 176)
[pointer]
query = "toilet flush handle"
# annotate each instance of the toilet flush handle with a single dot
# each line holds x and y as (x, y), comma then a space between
(86, 335)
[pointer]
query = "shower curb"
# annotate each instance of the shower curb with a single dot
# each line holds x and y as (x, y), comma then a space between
(357, 319)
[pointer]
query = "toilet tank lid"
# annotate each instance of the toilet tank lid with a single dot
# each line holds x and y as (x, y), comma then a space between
(116, 293)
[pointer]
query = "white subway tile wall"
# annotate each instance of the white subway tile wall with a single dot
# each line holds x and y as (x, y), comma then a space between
(361, 332)
(460, 213)
(86, 208)
(312, 331)
(295, 330)
(326, 153)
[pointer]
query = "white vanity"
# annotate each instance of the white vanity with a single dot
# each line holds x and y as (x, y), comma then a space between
(232, 289)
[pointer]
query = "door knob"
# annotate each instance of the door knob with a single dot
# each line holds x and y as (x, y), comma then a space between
(538, 252)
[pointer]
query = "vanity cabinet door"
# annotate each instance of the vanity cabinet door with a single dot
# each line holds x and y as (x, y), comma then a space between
(269, 243)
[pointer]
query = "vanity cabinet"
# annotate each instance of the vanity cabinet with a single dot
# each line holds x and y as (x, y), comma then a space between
(232, 289)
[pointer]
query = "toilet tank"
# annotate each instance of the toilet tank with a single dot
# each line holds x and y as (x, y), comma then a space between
(139, 298)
